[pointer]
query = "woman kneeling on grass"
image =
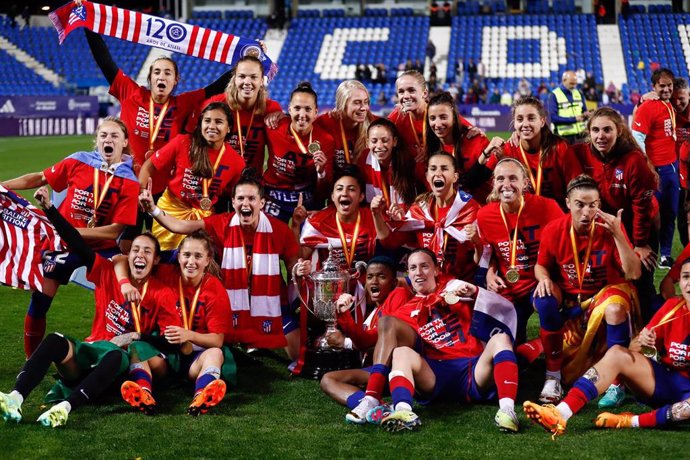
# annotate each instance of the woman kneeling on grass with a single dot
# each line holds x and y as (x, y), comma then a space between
(204, 308)
(88, 368)
(655, 368)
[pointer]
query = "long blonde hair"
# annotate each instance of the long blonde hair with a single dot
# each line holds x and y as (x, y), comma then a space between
(342, 96)
(231, 89)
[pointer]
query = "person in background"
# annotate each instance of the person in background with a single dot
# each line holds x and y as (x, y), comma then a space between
(568, 110)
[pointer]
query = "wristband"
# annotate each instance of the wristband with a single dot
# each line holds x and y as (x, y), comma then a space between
(124, 281)
(156, 212)
(321, 175)
(347, 344)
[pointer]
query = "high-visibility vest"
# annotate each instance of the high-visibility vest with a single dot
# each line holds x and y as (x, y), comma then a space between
(567, 109)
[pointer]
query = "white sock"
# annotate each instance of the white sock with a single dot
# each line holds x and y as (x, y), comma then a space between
(402, 406)
(371, 400)
(67, 406)
(565, 410)
(17, 396)
(506, 404)
(635, 421)
(554, 375)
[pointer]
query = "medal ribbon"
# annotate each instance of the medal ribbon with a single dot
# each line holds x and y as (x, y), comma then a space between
(153, 131)
(581, 269)
(99, 197)
(414, 131)
(513, 241)
(206, 182)
(136, 308)
(188, 316)
(384, 188)
(443, 239)
(345, 147)
(300, 145)
(672, 115)
(240, 139)
(668, 316)
(349, 253)
(536, 185)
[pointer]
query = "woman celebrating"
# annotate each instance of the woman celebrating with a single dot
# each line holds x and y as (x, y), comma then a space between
(253, 282)
(348, 122)
(627, 181)
(300, 158)
(438, 220)
(655, 368)
(444, 132)
(512, 224)
(154, 115)
(88, 368)
(205, 167)
(204, 309)
(388, 169)
(100, 201)
(550, 160)
(247, 97)
(584, 266)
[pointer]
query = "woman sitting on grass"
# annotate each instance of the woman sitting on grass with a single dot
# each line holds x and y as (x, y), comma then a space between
(88, 368)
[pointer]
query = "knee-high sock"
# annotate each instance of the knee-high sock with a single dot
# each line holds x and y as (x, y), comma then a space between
(35, 321)
(53, 349)
(506, 375)
(377, 380)
(141, 376)
(354, 399)
(551, 331)
(528, 352)
(582, 392)
(207, 376)
(658, 417)
(401, 390)
(617, 334)
(98, 380)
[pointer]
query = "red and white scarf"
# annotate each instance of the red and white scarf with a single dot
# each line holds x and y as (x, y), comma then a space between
(372, 171)
(158, 32)
(463, 211)
(263, 305)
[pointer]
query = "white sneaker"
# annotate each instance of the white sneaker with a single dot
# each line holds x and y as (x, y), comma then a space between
(552, 391)
(10, 409)
(358, 415)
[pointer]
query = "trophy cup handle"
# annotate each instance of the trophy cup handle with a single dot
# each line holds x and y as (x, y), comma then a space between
(299, 290)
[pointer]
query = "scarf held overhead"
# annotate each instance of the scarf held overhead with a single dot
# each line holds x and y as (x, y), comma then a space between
(255, 298)
(158, 32)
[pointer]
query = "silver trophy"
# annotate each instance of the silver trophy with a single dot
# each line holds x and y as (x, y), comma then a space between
(329, 283)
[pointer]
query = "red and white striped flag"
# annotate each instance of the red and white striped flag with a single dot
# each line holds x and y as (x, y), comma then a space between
(158, 32)
(23, 229)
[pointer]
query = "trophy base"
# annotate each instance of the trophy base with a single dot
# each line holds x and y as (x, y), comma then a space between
(318, 362)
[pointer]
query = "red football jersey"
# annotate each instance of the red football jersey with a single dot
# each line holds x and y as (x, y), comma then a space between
(657, 120)
(558, 167)
(134, 101)
(444, 329)
(212, 314)
(119, 205)
(536, 214)
(113, 315)
(673, 338)
(187, 186)
(625, 182)
(556, 255)
(332, 125)
(288, 167)
(254, 137)
(470, 150)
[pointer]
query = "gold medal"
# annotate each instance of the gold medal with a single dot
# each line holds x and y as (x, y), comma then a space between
(313, 147)
(451, 298)
(91, 223)
(512, 275)
(186, 348)
(205, 203)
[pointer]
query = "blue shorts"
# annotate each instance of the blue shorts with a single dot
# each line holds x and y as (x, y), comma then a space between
(670, 386)
(59, 265)
(455, 381)
(290, 316)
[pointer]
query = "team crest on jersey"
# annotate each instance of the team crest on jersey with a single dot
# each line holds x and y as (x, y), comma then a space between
(267, 326)
(619, 174)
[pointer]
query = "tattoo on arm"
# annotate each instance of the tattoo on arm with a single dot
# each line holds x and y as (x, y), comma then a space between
(592, 375)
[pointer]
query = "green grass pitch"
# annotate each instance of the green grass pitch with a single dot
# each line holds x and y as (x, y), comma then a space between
(269, 414)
